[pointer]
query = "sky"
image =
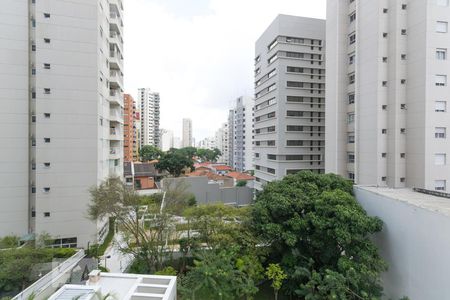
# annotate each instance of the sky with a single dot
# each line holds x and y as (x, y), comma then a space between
(199, 54)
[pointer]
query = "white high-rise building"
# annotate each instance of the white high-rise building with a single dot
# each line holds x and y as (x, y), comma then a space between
(187, 139)
(289, 98)
(177, 142)
(207, 143)
(166, 139)
(242, 147)
(222, 143)
(387, 119)
(150, 117)
(62, 114)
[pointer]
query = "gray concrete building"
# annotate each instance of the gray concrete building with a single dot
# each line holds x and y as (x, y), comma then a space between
(242, 148)
(387, 92)
(150, 117)
(61, 82)
(187, 139)
(222, 142)
(289, 98)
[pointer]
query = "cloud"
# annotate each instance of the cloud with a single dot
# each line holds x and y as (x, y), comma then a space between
(199, 57)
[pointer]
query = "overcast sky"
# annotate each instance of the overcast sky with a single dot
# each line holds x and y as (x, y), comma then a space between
(198, 54)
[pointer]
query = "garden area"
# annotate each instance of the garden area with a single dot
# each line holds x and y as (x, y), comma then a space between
(305, 237)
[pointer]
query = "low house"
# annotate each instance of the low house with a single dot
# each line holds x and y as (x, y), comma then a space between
(140, 175)
(239, 176)
(223, 181)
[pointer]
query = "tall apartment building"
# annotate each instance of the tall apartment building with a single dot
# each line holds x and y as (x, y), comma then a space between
(187, 139)
(166, 139)
(61, 81)
(387, 92)
(289, 98)
(129, 132)
(222, 141)
(207, 143)
(150, 117)
(230, 130)
(243, 134)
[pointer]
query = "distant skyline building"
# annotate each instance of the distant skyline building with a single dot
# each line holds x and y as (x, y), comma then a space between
(387, 120)
(129, 134)
(187, 139)
(222, 143)
(289, 98)
(242, 148)
(207, 143)
(167, 139)
(150, 117)
(61, 115)
(176, 142)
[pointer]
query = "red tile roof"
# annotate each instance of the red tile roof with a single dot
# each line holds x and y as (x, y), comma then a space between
(222, 168)
(240, 176)
(209, 174)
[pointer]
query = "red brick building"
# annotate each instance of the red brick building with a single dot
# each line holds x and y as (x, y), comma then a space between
(129, 138)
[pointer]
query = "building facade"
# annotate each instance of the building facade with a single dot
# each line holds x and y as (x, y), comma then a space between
(62, 114)
(166, 139)
(187, 139)
(207, 143)
(150, 117)
(129, 133)
(387, 92)
(242, 148)
(289, 98)
(222, 141)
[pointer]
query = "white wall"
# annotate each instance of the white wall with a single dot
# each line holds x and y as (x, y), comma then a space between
(415, 242)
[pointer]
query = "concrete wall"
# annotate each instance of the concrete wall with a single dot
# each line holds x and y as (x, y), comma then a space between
(211, 193)
(415, 243)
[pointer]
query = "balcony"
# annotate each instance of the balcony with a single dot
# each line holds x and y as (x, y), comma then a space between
(116, 39)
(114, 153)
(115, 60)
(115, 134)
(116, 23)
(117, 3)
(116, 97)
(116, 79)
(115, 116)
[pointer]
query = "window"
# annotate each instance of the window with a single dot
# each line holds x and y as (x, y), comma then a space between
(47, 91)
(351, 98)
(272, 73)
(271, 156)
(385, 10)
(403, 130)
(33, 118)
(383, 131)
(351, 78)
(440, 132)
(404, 6)
(441, 54)
(270, 170)
(383, 178)
(47, 66)
(47, 164)
(441, 27)
(440, 159)
(440, 106)
(47, 214)
(402, 155)
(384, 107)
(383, 155)
(440, 185)
(403, 106)
(294, 143)
(257, 155)
(441, 80)
(403, 57)
(47, 115)
(46, 189)
(257, 59)
(442, 2)
(351, 59)
(46, 140)
(47, 40)
(385, 34)
(352, 38)
(403, 81)
(351, 138)
(351, 157)
(403, 32)
(46, 15)
(296, 84)
(351, 176)
(272, 59)
(350, 118)
(352, 17)
(385, 59)
(384, 83)
(402, 179)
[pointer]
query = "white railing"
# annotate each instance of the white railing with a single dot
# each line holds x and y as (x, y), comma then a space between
(46, 281)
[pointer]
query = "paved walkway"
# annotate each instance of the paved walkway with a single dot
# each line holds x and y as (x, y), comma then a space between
(118, 262)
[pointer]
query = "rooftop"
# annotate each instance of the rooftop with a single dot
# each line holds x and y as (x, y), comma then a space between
(240, 176)
(121, 286)
(429, 202)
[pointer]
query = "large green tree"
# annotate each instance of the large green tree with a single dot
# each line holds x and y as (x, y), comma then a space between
(148, 153)
(208, 155)
(175, 161)
(321, 237)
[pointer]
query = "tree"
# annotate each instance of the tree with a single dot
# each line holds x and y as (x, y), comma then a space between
(320, 235)
(276, 274)
(241, 183)
(208, 155)
(223, 274)
(175, 161)
(148, 153)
